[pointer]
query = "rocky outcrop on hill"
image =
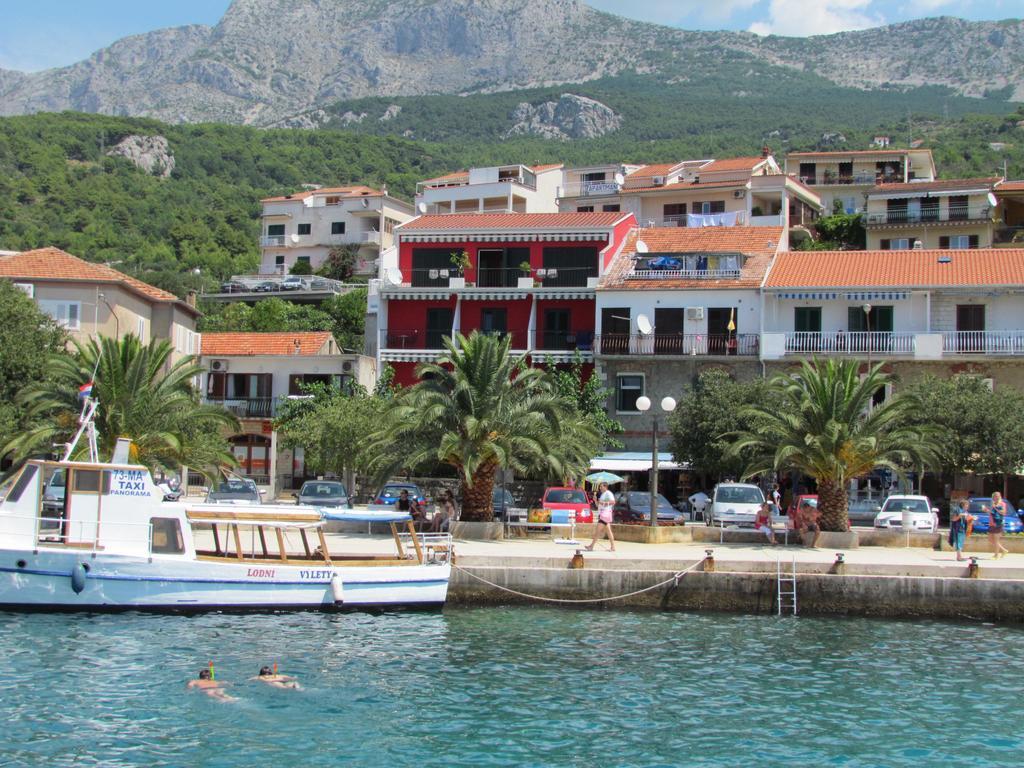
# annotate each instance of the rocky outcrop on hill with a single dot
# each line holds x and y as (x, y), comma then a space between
(151, 154)
(267, 60)
(390, 113)
(571, 117)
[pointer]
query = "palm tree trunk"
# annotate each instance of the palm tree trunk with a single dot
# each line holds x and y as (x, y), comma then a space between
(832, 504)
(477, 498)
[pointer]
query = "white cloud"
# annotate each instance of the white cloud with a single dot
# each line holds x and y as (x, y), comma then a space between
(800, 18)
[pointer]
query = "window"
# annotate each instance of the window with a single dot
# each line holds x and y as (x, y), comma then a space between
(879, 321)
(28, 474)
(807, 319)
(958, 242)
(275, 230)
(594, 176)
(611, 208)
(279, 260)
(584, 209)
(494, 321)
(338, 227)
(615, 322)
(302, 258)
(86, 480)
(557, 334)
(67, 314)
(427, 260)
(674, 209)
(957, 207)
(895, 244)
(439, 325)
(709, 206)
(166, 536)
(141, 329)
(628, 389)
(305, 229)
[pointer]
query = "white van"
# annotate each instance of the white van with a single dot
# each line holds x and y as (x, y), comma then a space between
(735, 504)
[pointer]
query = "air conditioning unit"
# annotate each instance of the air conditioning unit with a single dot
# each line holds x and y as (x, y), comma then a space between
(695, 313)
(738, 193)
(218, 366)
(658, 181)
(346, 366)
(990, 383)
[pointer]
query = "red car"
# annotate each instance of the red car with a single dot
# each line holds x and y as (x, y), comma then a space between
(561, 501)
(812, 498)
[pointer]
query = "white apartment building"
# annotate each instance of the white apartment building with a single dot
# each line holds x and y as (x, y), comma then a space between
(498, 189)
(305, 226)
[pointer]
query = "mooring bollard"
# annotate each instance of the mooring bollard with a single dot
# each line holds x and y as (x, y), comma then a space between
(973, 569)
(709, 560)
(576, 561)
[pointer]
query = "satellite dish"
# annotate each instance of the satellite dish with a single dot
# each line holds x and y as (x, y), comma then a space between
(619, 178)
(641, 247)
(992, 200)
(643, 324)
(421, 207)
(393, 275)
(295, 238)
(366, 203)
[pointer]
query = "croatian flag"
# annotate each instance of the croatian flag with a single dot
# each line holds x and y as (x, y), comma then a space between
(85, 390)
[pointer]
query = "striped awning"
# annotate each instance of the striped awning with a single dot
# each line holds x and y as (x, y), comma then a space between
(809, 295)
(878, 296)
(516, 237)
(477, 294)
(407, 293)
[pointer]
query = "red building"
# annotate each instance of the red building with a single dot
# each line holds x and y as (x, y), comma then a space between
(547, 310)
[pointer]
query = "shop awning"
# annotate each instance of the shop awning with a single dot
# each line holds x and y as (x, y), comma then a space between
(632, 461)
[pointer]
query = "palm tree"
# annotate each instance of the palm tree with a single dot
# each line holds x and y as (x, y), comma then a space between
(823, 425)
(141, 395)
(479, 409)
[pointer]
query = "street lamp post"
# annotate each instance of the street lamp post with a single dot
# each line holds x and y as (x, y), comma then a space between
(668, 405)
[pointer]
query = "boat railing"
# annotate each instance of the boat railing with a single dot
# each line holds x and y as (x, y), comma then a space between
(84, 535)
(437, 547)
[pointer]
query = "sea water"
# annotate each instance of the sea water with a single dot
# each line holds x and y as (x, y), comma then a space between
(509, 687)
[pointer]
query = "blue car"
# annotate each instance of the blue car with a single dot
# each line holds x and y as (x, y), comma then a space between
(390, 492)
(978, 508)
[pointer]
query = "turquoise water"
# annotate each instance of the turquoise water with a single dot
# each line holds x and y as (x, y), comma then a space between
(497, 687)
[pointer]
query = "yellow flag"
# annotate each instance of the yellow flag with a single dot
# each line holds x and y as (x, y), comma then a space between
(732, 319)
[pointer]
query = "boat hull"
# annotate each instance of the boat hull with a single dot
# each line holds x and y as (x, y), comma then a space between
(44, 580)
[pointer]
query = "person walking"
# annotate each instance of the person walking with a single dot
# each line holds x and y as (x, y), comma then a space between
(997, 516)
(958, 528)
(605, 507)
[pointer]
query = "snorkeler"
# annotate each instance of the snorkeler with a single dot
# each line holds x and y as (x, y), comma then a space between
(212, 688)
(270, 677)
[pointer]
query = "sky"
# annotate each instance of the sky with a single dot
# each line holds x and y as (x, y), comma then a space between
(51, 33)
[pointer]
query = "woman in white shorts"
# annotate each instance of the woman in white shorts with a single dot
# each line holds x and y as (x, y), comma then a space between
(763, 522)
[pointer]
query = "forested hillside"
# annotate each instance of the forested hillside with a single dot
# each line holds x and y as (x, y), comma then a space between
(58, 186)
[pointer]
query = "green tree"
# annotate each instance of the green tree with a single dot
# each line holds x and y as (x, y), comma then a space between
(347, 312)
(707, 412)
(479, 409)
(340, 262)
(141, 395)
(827, 429)
(301, 267)
(840, 231)
(28, 337)
(589, 397)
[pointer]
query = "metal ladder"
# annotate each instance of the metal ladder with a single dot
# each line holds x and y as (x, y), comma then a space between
(786, 587)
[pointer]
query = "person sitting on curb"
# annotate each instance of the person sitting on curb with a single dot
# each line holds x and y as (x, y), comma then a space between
(763, 522)
(810, 521)
(212, 688)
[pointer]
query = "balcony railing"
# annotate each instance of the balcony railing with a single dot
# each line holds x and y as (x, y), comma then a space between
(370, 237)
(724, 219)
(273, 241)
(247, 407)
(683, 274)
(1008, 235)
(720, 344)
(498, 277)
(435, 277)
(412, 338)
(565, 277)
(565, 341)
(589, 188)
(850, 343)
(983, 342)
(953, 214)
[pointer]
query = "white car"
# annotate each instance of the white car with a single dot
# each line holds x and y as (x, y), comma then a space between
(924, 518)
(735, 504)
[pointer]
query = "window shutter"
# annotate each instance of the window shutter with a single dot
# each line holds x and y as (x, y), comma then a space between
(944, 243)
(884, 245)
(973, 241)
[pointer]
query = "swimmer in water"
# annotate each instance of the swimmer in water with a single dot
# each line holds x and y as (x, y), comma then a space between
(270, 677)
(209, 686)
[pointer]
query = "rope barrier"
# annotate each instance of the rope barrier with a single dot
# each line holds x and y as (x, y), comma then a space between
(674, 578)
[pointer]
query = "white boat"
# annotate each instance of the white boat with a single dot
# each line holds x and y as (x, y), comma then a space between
(113, 543)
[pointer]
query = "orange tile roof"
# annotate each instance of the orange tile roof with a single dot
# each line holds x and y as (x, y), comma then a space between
(734, 164)
(1010, 186)
(689, 186)
(757, 244)
(453, 176)
(449, 222)
(898, 269)
(548, 167)
(357, 190)
(246, 344)
(842, 153)
(55, 265)
(941, 185)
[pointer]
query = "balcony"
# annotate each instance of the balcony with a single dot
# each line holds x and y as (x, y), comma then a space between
(273, 241)
(831, 178)
(730, 219)
(1008, 236)
(412, 338)
(589, 189)
(686, 267)
(983, 343)
(954, 214)
(499, 277)
(247, 407)
(371, 236)
(681, 344)
(858, 343)
(565, 341)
